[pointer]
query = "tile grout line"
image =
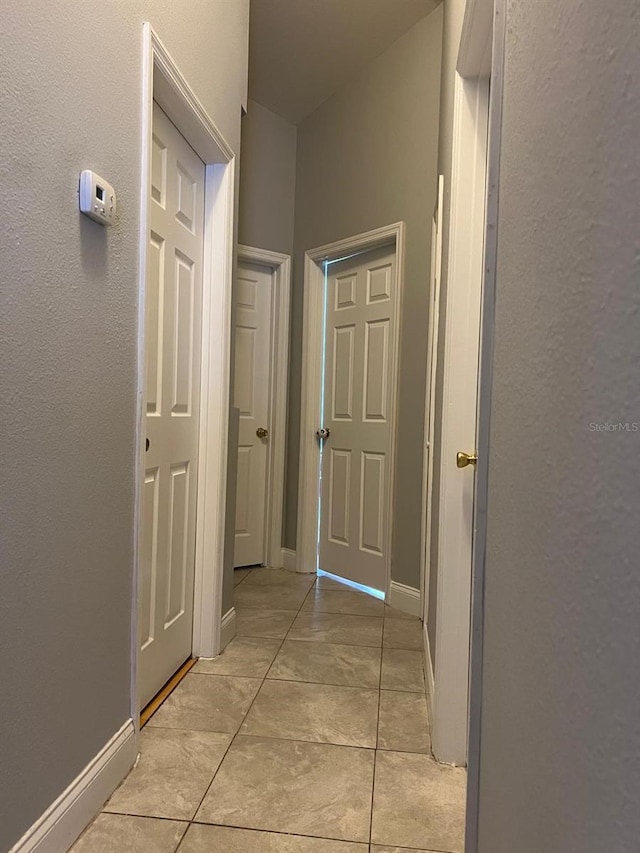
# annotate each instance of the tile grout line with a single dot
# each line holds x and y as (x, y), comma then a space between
(317, 742)
(179, 844)
(244, 717)
(375, 754)
(375, 751)
(191, 821)
(263, 680)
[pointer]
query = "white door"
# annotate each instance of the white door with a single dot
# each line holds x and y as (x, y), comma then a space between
(355, 490)
(173, 312)
(252, 395)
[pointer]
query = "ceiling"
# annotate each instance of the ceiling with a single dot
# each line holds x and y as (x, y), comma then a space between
(302, 51)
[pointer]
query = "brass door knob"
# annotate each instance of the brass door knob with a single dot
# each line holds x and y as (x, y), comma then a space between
(261, 432)
(464, 459)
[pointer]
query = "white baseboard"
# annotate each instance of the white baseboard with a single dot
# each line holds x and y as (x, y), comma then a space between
(75, 808)
(405, 598)
(289, 559)
(428, 668)
(228, 628)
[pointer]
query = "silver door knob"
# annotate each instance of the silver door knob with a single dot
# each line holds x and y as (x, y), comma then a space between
(323, 433)
(261, 432)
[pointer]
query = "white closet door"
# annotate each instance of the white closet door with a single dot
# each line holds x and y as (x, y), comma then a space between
(173, 310)
(253, 348)
(354, 528)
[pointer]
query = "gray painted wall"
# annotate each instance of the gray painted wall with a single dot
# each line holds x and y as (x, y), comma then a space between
(68, 333)
(366, 158)
(452, 27)
(267, 180)
(266, 217)
(561, 687)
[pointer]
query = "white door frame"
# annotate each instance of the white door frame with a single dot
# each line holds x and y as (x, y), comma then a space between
(312, 341)
(278, 377)
(492, 22)
(430, 401)
(163, 82)
(450, 700)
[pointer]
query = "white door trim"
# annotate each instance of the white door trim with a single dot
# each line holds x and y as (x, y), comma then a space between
(162, 81)
(458, 421)
(430, 401)
(312, 335)
(489, 27)
(280, 264)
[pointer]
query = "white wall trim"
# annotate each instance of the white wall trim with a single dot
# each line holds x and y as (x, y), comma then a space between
(288, 559)
(458, 424)
(163, 81)
(280, 265)
(428, 670)
(309, 471)
(405, 598)
(228, 628)
(67, 817)
(214, 408)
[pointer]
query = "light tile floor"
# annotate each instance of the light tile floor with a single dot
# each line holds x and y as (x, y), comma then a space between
(309, 734)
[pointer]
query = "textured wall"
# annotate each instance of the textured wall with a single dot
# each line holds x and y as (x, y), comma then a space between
(561, 701)
(367, 158)
(267, 180)
(68, 327)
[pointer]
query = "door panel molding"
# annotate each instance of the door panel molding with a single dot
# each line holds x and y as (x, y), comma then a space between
(312, 345)
(173, 354)
(253, 292)
(163, 82)
(280, 265)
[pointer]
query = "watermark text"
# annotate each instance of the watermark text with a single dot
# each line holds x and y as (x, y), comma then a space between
(614, 426)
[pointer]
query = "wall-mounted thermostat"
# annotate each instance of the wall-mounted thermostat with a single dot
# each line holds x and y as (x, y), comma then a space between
(97, 198)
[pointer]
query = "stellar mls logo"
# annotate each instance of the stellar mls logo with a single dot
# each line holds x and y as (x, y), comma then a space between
(620, 426)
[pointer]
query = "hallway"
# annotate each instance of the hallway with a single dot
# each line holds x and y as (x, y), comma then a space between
(309, 734)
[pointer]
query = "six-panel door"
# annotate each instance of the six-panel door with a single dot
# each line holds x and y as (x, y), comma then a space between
(173, 318)
(253, 347)
(354, 528)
